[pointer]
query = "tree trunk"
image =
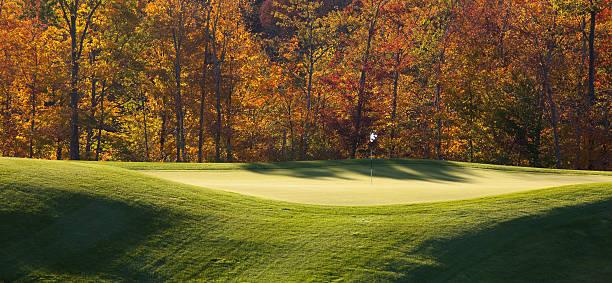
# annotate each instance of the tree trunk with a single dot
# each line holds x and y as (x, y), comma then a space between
(578, 138)
(535, 154)
(88, 141)
(579, 106)
(58, 149)
(357, 118)
(591, 95)
(93, 112)
(362, 81)
(545, 63)
(162, 136)
(76, 48)
(183, 143)
(217, 66)
(202, 103)
(33, 99)
(144, 122)
(292, 139)
(305, 145)
(203, 83)
(7, 124)
(471, 129)
(284, 146)
(438, 106)
(441, 60)
(101, 122)
(32, 125)
(553, 109)
(228, 141)
(394, 103)
(178, 101)
(74, 95)
(471, 145)
(555, 122)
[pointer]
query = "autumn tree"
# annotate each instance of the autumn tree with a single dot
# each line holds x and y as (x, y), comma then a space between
(78, 16)
(173, 20)
(310, 42)
(507, 82)
(372, 11)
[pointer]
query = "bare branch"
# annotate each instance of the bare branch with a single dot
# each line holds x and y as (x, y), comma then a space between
(62, 5)
(87, 23)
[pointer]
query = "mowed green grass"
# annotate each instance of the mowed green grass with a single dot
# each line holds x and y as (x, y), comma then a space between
(348, 183)
(70, 221)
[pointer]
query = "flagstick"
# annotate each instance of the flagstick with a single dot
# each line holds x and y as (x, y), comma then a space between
(372, 138)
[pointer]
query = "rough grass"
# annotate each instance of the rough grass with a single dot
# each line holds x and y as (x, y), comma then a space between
(67, 221)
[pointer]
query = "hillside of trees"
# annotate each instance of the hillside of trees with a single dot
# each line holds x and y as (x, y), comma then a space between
(520, 82)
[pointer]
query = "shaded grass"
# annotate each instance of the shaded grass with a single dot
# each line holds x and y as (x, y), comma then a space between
(565, 244)
(362, 165)
(391, 169)
(71, 221)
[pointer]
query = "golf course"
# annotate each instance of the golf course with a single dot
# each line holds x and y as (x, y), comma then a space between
(418, 221)
(349, 182)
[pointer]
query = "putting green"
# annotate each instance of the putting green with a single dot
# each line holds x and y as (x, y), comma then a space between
(349, 185)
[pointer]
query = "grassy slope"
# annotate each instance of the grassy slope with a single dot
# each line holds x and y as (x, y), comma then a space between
(69, 221)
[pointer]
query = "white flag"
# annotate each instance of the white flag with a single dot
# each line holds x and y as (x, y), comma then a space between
(373, 136)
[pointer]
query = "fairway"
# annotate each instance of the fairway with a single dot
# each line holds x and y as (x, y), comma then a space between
(394, 183)
(107, 222)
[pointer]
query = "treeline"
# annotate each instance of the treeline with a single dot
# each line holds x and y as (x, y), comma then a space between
(522, 82)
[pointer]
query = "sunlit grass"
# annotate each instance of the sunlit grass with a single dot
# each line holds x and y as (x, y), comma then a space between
(71, 221)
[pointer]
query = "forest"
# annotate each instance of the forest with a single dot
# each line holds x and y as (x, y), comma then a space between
(514, 82)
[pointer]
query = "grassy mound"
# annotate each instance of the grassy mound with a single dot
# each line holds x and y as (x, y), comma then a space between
(71, 221)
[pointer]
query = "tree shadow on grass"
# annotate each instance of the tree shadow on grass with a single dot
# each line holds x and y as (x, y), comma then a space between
(397, 169)
(570, 244)
(76, 234)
